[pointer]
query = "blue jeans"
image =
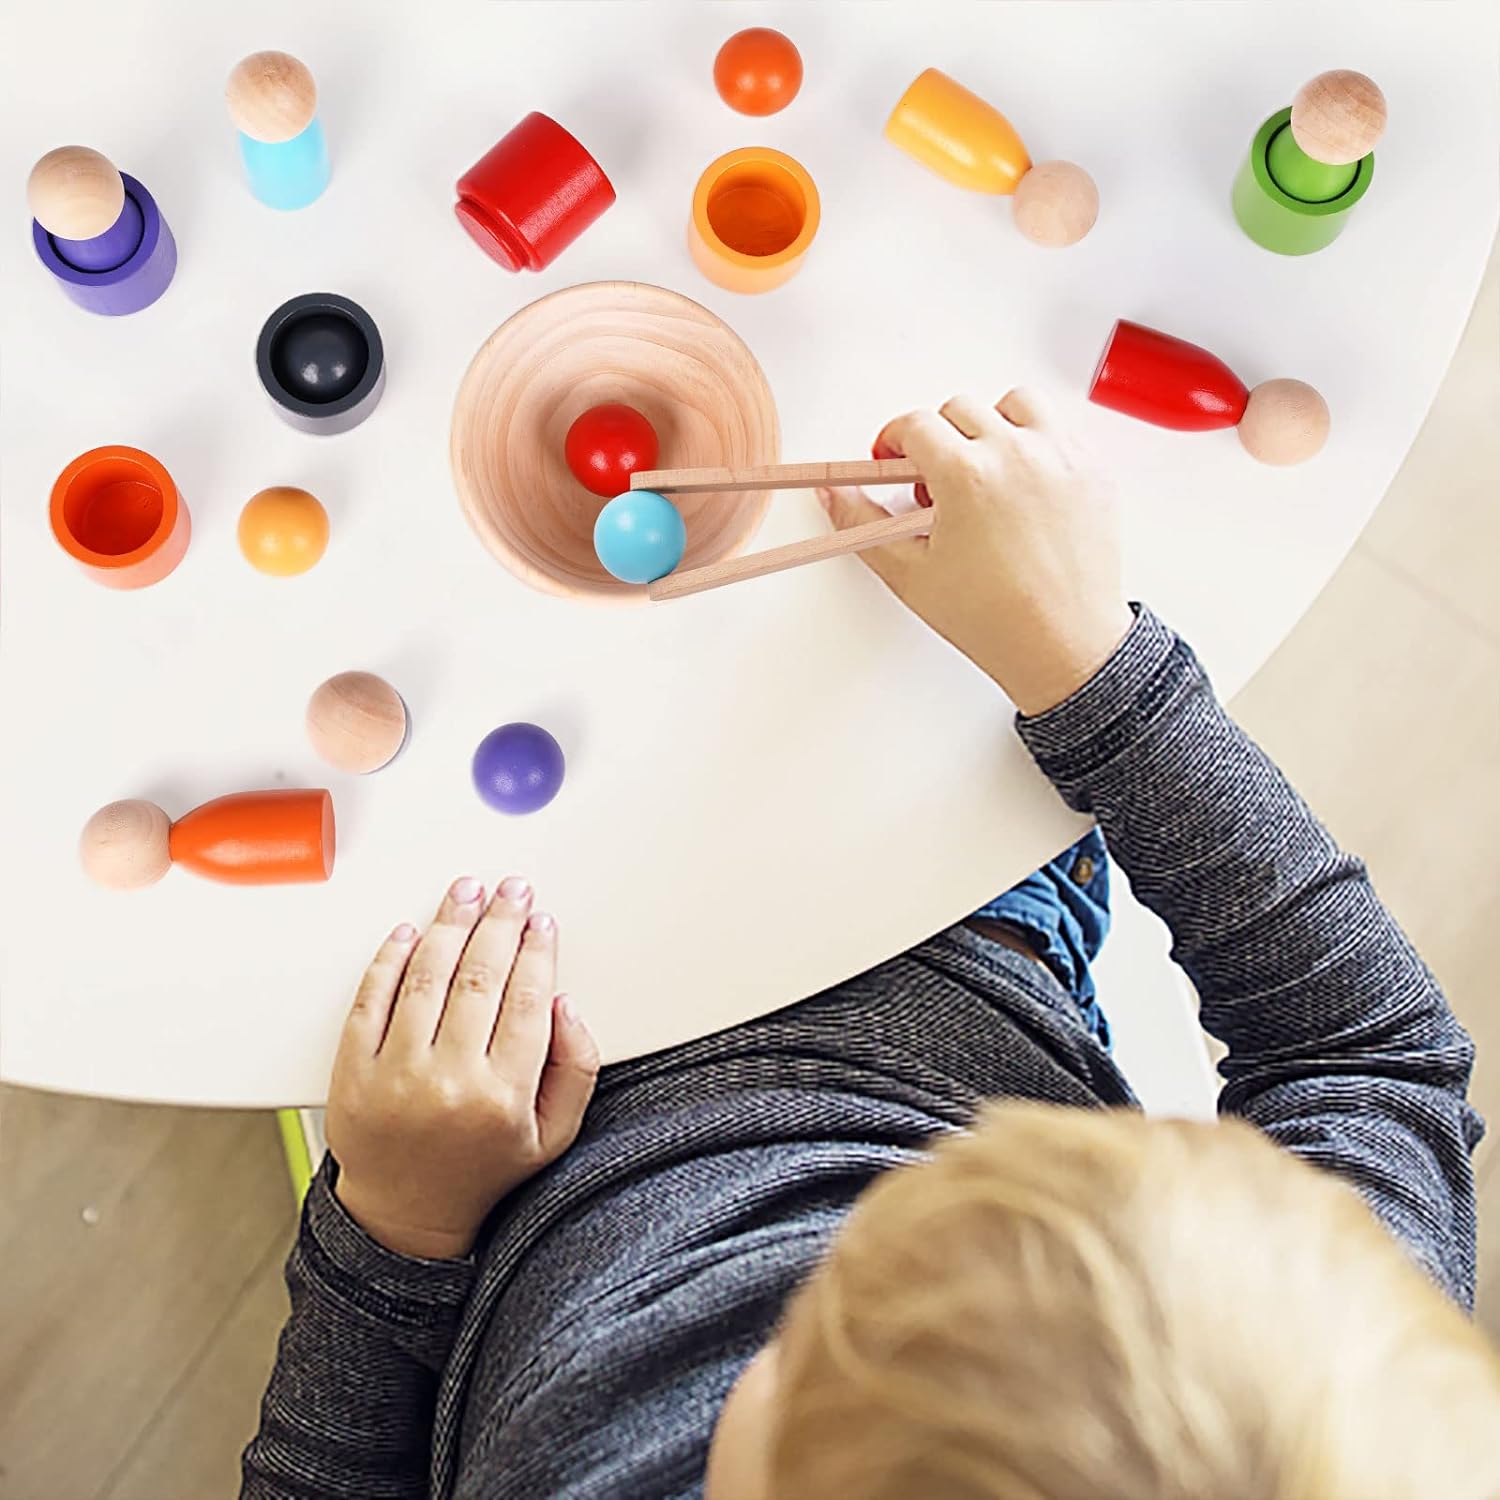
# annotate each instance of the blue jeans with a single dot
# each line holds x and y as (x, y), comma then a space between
(1063, 912)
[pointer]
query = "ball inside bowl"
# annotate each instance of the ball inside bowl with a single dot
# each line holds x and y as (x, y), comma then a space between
(640, 536)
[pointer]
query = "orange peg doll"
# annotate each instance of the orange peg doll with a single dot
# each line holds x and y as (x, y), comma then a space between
(280, 837)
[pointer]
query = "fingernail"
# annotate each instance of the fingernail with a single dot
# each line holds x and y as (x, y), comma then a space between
(513, 888)
(404, 933)
(465, 890)
(541, 923)
(882, 449)
(568, 1010)
(920, 494)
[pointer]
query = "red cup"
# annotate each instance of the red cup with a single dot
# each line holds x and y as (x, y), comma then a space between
(531, 195)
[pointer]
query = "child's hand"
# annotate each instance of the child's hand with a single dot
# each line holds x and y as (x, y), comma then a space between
(459, 1074)
(1022, 569)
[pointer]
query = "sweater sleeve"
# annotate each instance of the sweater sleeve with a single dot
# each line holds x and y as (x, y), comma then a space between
(1340, 1044)
(348, 1412)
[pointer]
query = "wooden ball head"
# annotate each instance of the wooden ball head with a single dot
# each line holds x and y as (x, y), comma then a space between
(356, 722)
(1338, 117)
(126, 845)
(75, 193)
(1284, 422)
(1056, 203)
(271, 96)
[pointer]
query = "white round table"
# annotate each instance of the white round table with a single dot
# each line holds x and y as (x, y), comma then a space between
(772, 786)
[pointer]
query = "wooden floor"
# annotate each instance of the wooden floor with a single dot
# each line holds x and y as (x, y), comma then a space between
(141, 1248)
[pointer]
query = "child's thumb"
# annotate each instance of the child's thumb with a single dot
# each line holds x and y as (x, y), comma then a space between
(852, 507)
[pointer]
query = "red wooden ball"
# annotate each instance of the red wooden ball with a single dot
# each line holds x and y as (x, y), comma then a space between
(758, 71)
(606, 445)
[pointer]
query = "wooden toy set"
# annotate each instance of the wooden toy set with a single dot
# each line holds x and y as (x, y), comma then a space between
(613, 440)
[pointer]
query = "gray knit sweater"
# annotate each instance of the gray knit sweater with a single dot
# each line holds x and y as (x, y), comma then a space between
(585, 1347)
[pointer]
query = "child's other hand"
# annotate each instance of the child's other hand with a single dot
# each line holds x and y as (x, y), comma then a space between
(459, 1073)
(1022, 569)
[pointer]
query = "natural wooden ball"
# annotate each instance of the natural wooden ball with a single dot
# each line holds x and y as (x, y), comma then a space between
(356, 721)
(75, 193)
(1285, 422)
(271, 96)
(1056, 203)
(1338, 117)
(126, 845)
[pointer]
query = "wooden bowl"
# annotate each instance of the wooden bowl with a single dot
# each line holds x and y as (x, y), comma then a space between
(677, 364)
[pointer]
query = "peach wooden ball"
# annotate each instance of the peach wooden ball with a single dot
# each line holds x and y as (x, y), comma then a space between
(125, 845)
(1056, 203)
(356, 721)
(271, 96)
(1285, 422)
(1338, 117)
(75, 193)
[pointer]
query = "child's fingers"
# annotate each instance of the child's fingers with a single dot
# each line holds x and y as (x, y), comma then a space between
(419, 1001)
(926, 439)
(850, 506)
(524, 1028)
(568, 1079)
(371, 1012)
(970, 416)
(881, 448)
(1024, 408)
(468, 1019)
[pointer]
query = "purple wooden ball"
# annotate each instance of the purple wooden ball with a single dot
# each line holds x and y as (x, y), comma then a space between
(518, 768)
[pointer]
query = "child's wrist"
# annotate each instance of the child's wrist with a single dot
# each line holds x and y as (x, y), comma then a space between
(387, 1230)
(1046, 665)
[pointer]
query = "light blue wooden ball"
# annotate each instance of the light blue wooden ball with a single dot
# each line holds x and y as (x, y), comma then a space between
(639, 536)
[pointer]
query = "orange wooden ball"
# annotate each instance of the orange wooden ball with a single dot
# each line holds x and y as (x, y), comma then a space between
(357, 722)
(283, 531)
(1338, 117)
(1285, 422)
(125, 845)
(758, 71)
(1056, 203)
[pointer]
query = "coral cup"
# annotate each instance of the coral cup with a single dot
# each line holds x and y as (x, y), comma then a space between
(116, 512)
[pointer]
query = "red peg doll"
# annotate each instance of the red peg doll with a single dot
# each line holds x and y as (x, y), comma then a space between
(1171, 383)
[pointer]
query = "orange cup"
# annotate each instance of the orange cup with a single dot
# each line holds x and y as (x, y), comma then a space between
(116, 512)
(755, 212)
(939, 123)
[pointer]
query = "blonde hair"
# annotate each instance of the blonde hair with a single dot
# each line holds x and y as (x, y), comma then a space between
(1066, 1304)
